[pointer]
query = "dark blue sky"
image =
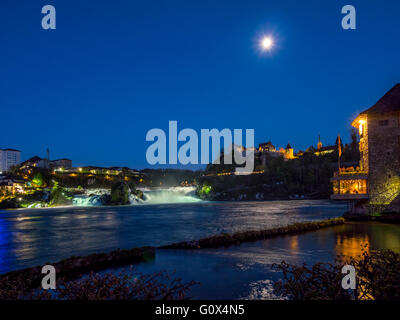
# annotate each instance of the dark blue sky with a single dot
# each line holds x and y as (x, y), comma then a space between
(112, 70)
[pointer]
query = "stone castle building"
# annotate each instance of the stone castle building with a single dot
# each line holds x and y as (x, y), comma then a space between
(268, 149)
(375, 184)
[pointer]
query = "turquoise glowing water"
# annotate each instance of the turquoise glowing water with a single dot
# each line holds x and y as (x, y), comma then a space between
(31, 237)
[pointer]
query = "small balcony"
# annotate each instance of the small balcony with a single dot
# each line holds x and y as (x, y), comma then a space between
(350, 184)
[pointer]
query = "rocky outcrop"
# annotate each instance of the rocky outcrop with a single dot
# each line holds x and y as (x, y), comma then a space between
(137, 193)
(59, 197)
(105, 199)
(120, 192)
(9, 204)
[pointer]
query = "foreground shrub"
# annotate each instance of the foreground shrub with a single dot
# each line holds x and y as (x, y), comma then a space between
(125, 285)
(377, 278)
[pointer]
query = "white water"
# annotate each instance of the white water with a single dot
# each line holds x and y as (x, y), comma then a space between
(151, 196)
(170, 195)
(90, 198)
(86, 201)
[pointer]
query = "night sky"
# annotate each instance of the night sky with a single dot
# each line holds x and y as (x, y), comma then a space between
(112, 70)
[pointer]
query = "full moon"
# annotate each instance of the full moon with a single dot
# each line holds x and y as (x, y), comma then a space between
(266, 43)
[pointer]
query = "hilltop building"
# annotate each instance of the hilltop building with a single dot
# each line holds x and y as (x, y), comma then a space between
(267, 148)
(46, 163)
(61, 163)
(9, 158)
(289, 152)
(35, 162)
(321, 150)
(375, 184)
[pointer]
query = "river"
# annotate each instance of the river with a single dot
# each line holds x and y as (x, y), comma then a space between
(30, 237)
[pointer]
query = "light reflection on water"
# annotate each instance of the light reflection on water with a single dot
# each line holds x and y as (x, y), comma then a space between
(36, 236)
(245, 271)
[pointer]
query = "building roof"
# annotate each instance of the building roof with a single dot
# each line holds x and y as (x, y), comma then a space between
(269, 143)
(10, 150)
(388, 103)
(34, 159)
(289, 146)
(11, 178)
(267, 146)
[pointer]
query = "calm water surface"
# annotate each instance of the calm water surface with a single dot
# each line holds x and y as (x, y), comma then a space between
(244, 271)
(34, 237)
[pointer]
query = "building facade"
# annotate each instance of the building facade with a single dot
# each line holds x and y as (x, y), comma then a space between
(61, 163)
(377, 179)
(267, 148)
(9, 185)
(9, 158)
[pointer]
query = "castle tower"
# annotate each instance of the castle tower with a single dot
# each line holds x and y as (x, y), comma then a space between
(379, 130)
(378, 179)
(319, 145)
(289, 152)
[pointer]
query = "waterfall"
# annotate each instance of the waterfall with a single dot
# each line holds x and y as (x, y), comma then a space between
(151, 196)
(91, 197)
(170, 195)
(86, 201)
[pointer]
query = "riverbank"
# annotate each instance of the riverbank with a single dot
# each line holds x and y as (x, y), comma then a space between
(383, 217)
(227, 239)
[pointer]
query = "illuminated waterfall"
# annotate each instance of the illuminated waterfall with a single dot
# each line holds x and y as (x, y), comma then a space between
(151, 196)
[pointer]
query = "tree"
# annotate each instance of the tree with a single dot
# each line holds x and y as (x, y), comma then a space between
(37, 180)
(354, 145)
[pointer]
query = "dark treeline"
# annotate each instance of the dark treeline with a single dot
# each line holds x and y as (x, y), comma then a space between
(170, 177)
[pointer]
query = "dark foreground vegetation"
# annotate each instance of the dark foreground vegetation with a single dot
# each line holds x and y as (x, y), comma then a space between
(377, 278)
(239, 237)
(125, 285)
(16, 284)
(77, 280)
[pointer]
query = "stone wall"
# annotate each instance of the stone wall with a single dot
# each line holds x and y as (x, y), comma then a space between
(364, 147)
(383, 158)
